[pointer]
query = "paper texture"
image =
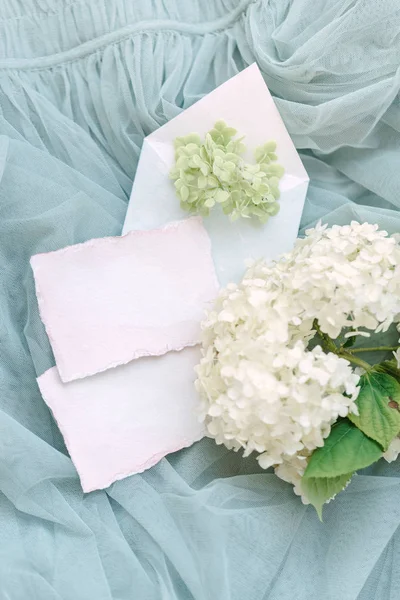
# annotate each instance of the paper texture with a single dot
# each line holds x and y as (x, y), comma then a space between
(111, 300)
(244, 103)
(126, 419)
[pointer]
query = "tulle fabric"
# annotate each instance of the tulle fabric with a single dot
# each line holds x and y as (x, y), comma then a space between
(81, 84)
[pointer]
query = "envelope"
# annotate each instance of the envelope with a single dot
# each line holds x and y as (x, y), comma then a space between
(244, 103)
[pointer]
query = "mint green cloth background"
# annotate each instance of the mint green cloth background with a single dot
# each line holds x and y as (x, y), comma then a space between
(81, 83)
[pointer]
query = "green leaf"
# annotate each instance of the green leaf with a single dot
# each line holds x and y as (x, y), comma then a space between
(345, 450)
(389, 367)
(378, 404)
(321, 489)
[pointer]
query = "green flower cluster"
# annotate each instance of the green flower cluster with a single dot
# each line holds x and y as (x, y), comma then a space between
(213, 172)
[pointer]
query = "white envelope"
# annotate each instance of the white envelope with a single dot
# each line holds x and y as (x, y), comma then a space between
(244, 103)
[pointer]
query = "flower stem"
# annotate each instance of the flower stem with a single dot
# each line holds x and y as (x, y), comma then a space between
(354, 360)
(326, 340)
(375, 349)
(329, 345)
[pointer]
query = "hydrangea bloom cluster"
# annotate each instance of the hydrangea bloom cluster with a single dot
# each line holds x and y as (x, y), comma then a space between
(262, 388)
(214, 172)
(345, 277)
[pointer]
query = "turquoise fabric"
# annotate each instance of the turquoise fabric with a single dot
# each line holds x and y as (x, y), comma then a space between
(81, 83)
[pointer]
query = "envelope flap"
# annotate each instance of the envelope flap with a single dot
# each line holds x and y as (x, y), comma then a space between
(243, 102)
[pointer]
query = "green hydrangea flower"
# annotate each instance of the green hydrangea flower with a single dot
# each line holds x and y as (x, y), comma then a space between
(212, 171)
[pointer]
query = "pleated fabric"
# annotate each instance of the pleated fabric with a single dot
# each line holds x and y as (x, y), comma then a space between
(81, 83)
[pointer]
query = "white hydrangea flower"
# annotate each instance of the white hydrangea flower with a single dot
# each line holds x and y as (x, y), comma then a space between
(345, 276)
(261, 389)
(292, 471)
(279, 401)
(393, 451)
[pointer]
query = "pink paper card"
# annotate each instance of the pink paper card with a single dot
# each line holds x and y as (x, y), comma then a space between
(125, 420)
(111, 300)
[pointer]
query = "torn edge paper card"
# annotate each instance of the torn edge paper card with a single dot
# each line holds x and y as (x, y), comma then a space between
(111, 300)
(123, 421)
